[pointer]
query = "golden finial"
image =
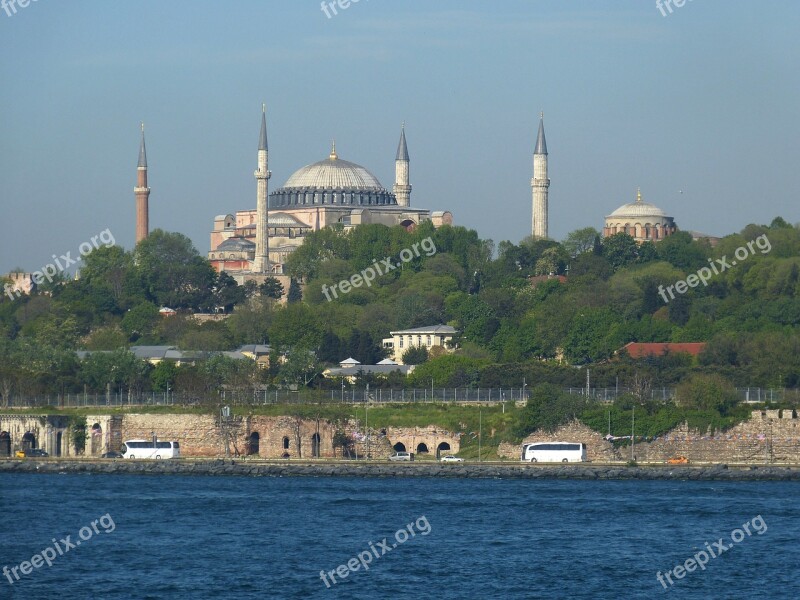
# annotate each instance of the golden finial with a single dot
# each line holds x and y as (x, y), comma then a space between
(263, 107)
(142, 124)
(541, 115)
(638, 194)
(333, 155)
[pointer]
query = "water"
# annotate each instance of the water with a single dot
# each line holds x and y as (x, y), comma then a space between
(237, 537)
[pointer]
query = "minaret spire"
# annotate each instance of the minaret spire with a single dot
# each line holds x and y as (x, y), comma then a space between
(260, 262)
(262, 139)
(402, 187)
(540, 184)
(142, 194)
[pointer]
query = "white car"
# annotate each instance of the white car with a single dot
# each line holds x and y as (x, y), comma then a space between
(404, 456)
(451, 458)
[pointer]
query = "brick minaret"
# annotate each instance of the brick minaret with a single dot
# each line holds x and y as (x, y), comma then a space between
(142, 193)
(540, 184)
(262, 175)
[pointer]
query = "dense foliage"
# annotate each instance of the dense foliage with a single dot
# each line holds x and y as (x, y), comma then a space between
(518, 321)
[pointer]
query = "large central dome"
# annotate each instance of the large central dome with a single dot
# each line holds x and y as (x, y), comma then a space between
(333, 173)
(332, 181)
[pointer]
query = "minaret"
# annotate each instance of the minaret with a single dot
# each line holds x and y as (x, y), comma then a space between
(142, 193)
(539, 184)
(262, 174)
(402, 189)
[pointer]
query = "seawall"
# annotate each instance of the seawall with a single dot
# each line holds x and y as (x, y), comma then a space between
(380, 470)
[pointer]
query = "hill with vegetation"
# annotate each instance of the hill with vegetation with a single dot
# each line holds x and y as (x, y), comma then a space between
(518, 321)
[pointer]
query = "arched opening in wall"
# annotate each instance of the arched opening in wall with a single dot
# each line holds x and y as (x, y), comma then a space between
(794, 414)
(28, 442)
(285, 443)
(408, 224)
(399, 447)
(97, 439)
(5, 443)
(59, 440)
(443, 447)
(253, 443)
(315, 446)
(422, 448)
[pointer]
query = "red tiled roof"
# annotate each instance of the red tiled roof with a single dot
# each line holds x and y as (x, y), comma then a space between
(642, 349)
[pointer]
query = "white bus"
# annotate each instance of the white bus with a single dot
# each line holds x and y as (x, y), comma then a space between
(150, 449)
(552, 452)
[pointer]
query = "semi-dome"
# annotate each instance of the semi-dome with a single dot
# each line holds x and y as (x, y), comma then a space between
(331, 181)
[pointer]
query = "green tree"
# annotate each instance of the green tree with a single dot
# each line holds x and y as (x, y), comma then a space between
(706, 392)
(620, 250)
(173, 272)
(416, 355)
(295, 292)
(271, 288)
(580, 241)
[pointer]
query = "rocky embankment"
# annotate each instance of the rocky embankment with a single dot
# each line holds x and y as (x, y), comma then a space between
(386, 469)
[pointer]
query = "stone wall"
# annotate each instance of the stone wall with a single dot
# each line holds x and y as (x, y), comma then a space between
(767, 436)
(597, 448)
(208, 435)
(424, 440)
(50, 433)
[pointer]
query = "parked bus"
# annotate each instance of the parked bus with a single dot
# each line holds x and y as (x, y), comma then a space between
(150, 449)
(552, 452)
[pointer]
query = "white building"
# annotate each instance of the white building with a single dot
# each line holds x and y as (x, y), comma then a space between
(426, 337)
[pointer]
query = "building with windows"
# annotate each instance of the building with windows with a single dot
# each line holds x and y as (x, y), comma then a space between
(332, 191)
(643, 221)
(435, 336)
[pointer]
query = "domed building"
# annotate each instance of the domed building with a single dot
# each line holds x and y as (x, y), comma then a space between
(643, 221)
(327, 192)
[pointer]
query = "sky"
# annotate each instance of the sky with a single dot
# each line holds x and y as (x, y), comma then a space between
(698, 107)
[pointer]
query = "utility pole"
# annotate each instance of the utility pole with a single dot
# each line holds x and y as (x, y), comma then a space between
(633, 430)
(480, 432)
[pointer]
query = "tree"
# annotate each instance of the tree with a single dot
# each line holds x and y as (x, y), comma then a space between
(549, 408)
(620, 250)
(295, 292)
(271, 288)
(706, 392)
(580, 241)
(173, 272)
(416, 355)
(140, 321)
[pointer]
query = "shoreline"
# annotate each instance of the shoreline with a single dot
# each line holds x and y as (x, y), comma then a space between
(233, 467)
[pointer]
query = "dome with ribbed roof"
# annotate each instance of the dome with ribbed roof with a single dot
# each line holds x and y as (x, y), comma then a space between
(638, 209)
(642, 220)
(331, 181)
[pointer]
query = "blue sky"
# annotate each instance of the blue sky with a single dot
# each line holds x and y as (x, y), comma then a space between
(703, 100)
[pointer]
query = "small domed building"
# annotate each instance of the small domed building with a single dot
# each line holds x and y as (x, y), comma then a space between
(643, 221)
